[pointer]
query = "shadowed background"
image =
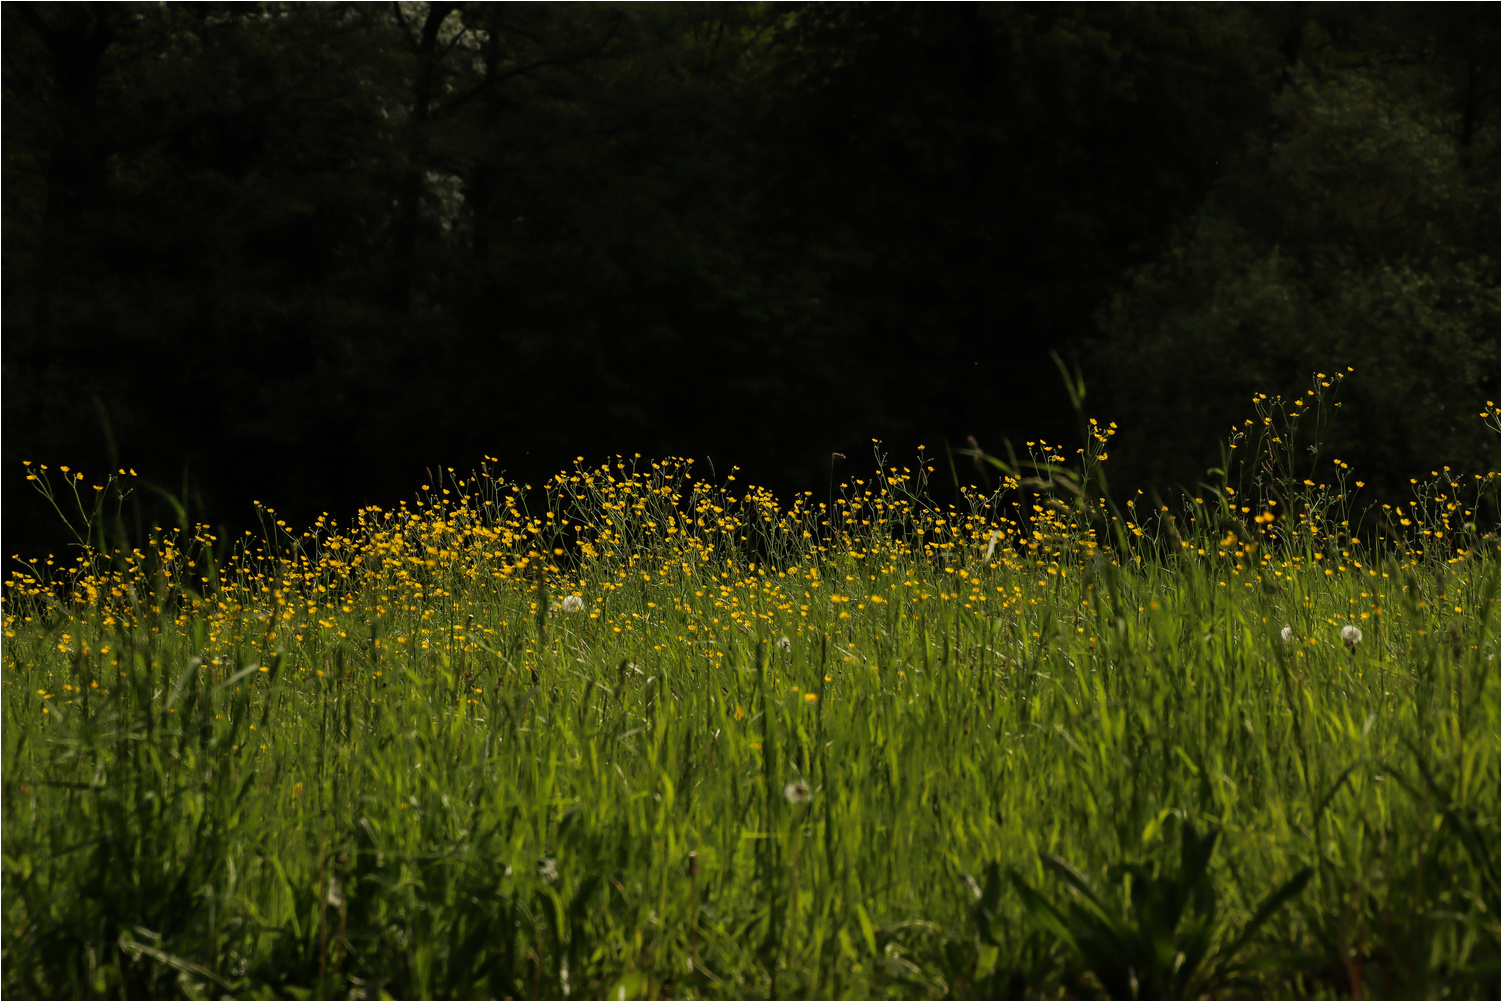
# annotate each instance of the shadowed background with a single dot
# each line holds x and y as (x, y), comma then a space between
(308, 253)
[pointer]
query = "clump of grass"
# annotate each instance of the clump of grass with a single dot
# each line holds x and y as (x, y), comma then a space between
(641, 733)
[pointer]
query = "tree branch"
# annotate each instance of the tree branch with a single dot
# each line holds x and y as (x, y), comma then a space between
(401, 19)
(489, 82)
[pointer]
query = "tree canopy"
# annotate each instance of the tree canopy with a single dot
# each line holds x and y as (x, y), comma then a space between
(307, 252)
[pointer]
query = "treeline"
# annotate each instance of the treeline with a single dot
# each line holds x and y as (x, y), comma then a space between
(305, 253)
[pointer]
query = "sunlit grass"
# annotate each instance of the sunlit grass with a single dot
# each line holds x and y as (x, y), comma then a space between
(638, 731)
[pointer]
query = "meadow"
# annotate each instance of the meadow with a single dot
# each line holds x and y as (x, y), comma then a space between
(643, 732)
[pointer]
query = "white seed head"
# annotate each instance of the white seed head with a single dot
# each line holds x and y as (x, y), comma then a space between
(1351, 635)
(971, 886)
(1287, 634)
(547, 870)
(573, 603)
(991, 543)
(784, 644)
(798, 793)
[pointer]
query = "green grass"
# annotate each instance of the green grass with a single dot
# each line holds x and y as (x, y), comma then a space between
(381, 760)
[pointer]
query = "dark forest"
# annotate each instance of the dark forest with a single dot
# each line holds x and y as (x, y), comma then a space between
(308, 254)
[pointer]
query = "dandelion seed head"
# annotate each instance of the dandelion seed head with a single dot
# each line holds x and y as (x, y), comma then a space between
(991, 545)
(971, 885)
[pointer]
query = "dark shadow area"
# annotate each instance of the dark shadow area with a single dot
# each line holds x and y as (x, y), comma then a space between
(310, 254)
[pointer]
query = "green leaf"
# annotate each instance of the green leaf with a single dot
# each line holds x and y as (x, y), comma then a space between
(1269, 907)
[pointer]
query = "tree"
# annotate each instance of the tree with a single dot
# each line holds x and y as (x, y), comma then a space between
(1359, 229)
(973, 179)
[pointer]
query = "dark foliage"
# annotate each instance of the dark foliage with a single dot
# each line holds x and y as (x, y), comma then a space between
(308, 253)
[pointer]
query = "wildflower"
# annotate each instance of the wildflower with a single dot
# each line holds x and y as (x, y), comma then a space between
(798, 793)
(573, 603)
(784, 644)
(1351, 635)
(547, 870)
(1287, 634)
